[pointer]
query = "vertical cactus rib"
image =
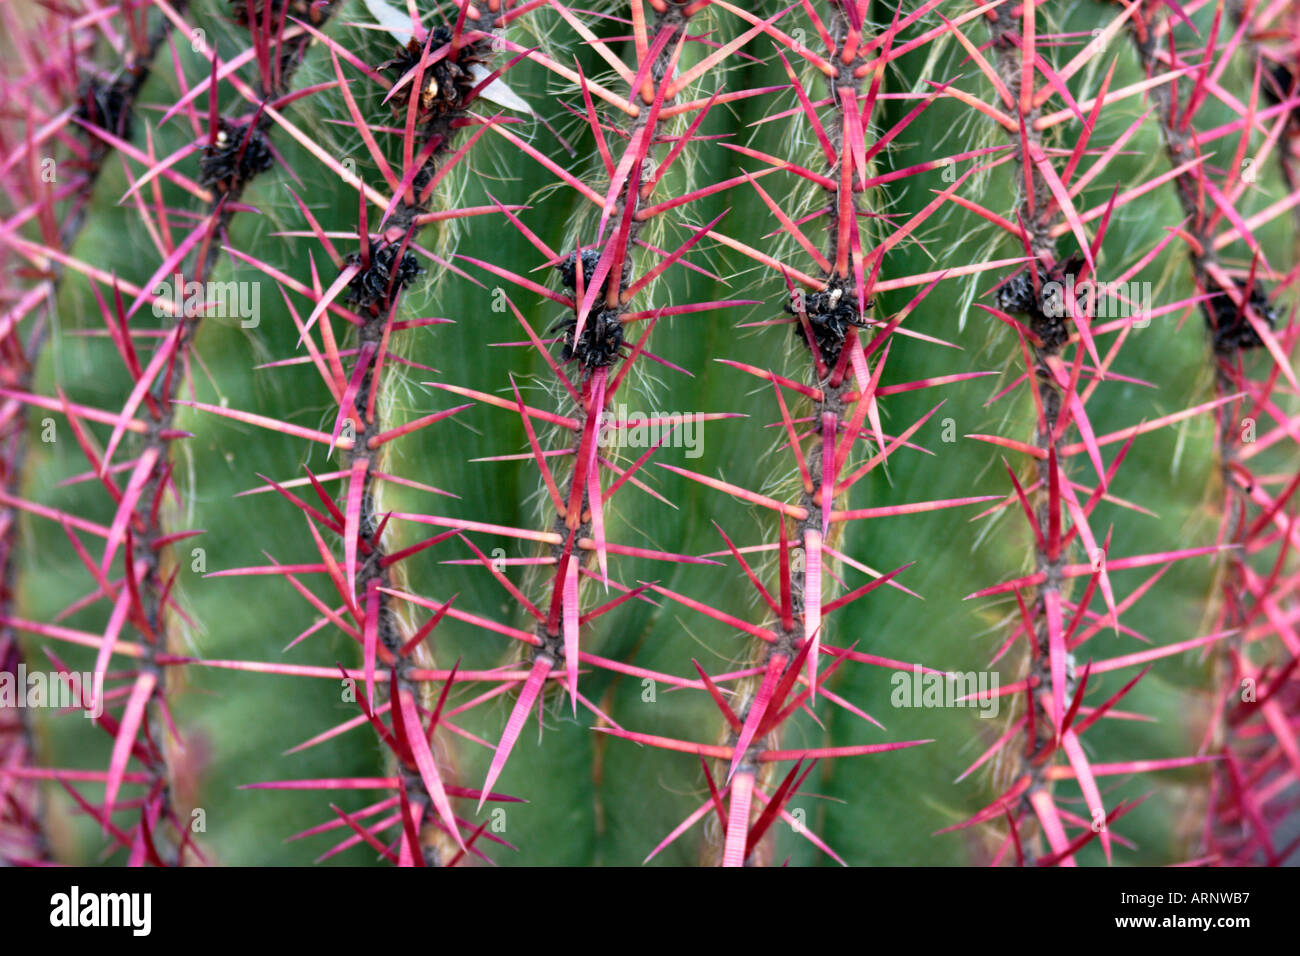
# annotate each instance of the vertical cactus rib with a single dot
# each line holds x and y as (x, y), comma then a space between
(1060, 340)
(432, 149)
(440, 64)
(828, 313)
(100, 104)
(1251, 732)
(144, 597)
(236, 153)
(1014, 45)
(600, 286)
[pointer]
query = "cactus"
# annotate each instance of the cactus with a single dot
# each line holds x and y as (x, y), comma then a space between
(673, 431)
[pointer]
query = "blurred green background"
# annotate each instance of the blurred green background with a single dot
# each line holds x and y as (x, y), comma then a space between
(593, 800)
